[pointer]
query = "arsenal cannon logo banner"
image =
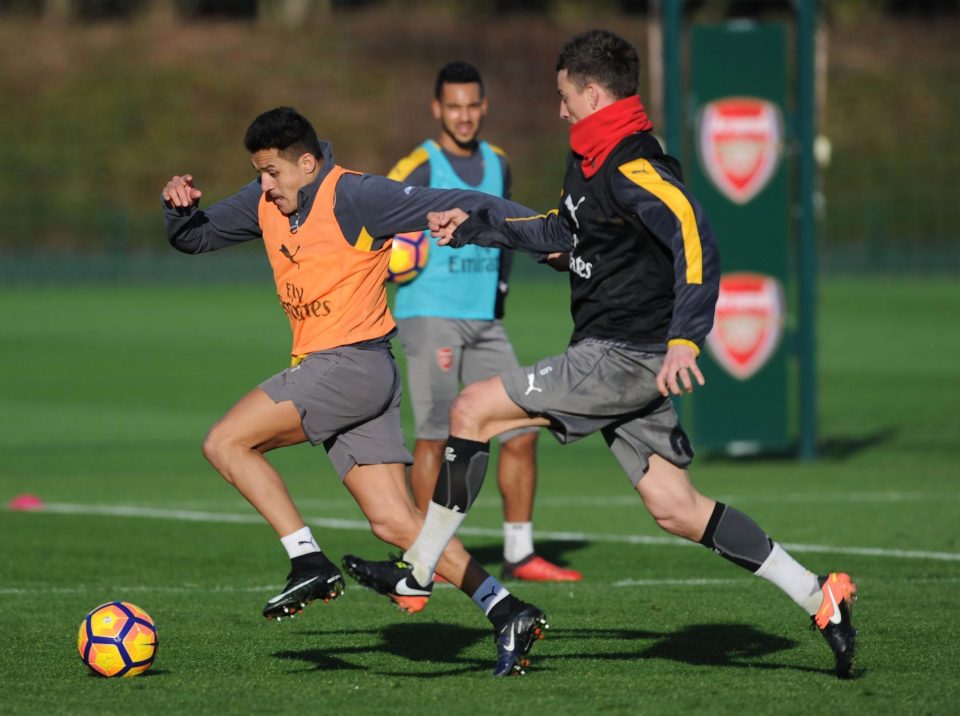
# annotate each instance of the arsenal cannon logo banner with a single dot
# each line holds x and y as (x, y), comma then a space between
(740, 142)
(748, 324)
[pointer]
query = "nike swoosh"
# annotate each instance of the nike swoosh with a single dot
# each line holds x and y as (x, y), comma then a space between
(292, 589)
(835, 618)
(405, 591)
(509, 645)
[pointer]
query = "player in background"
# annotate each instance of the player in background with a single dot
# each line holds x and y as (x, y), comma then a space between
(327, 233)
(644, 276)
(449, 319)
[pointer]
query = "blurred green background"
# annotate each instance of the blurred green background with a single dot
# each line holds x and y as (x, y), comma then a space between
(104, 100)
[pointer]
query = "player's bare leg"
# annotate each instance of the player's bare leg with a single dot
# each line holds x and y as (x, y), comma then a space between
(483, 410)
(673, 501)
(681, 510)
(517, 480)
(381, 492)
(423, 475)
(517, 476)
(516, 625)
(235, 446)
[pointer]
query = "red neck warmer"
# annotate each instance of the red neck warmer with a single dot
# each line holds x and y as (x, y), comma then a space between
(594, 137)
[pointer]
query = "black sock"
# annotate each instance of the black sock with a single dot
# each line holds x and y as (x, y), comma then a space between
(501, 612)
(311, 562)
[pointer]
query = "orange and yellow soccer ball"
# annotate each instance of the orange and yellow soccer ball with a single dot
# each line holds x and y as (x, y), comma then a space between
(408, 257)
(117, 639)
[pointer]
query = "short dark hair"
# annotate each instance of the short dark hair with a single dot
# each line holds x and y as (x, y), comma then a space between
(283, 129)
(602, 57)
(457, 73)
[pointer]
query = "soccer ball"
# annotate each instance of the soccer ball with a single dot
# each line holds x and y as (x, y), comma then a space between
(408, 257)
(117, 639)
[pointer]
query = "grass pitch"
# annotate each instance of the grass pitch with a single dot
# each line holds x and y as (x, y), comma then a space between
(105, 395)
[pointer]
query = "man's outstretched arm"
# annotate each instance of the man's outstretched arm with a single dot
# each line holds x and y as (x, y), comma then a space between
(194, 231)
(505, 225)
(382, 207)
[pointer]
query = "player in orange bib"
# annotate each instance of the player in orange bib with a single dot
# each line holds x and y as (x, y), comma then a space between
(327, 232)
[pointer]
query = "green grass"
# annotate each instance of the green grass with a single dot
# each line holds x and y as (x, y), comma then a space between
(106, 392)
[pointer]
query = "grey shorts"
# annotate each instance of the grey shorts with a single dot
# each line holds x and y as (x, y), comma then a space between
(349, 401)
(444, 353)
(599, 386)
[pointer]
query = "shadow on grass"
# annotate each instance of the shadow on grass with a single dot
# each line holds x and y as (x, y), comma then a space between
(428, 643)
(148, 674)
(836, 448)
(839, 448)
(725, 645)
(438, 649)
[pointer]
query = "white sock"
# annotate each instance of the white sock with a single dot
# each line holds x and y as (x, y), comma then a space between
(489, 594)
(517, 541)
(800, 584)
(300, 543)
(439, 527)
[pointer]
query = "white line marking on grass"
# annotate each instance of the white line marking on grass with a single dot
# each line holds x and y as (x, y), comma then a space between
(337, 524)
(631, 500)
(628, 500)
(676, 582)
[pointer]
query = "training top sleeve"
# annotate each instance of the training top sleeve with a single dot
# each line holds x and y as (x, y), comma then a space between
(226, 223)
(677, 220)
(506, 224)
(376, 208)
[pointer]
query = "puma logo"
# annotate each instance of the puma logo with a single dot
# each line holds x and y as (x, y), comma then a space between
(530, 388)
(286, 252)
(572, 208)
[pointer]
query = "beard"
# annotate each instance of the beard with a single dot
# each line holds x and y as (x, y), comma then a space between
(468, 145)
